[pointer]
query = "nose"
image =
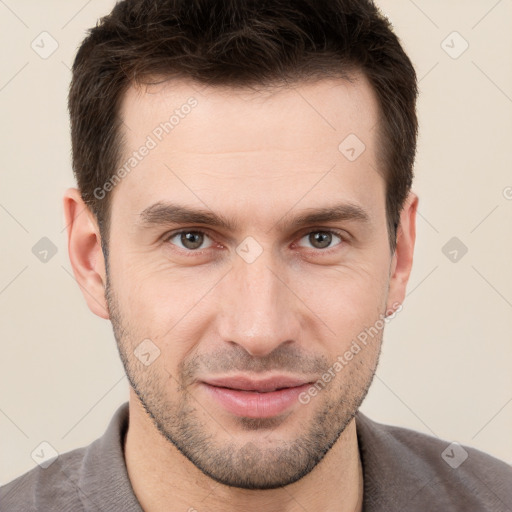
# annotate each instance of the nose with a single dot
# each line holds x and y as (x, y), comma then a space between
(261, 311)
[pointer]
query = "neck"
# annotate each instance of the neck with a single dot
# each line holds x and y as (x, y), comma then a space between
(164, 480)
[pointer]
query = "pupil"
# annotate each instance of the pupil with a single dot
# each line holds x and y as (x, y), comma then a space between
(191, 240)
(320, 239)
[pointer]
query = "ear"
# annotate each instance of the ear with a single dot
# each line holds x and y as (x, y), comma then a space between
(85, 254)
(401, 263)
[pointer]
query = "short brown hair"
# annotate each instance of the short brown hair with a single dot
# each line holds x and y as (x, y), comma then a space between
(238, 43)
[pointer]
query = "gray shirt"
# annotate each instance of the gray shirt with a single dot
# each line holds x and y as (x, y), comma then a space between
(403, 471)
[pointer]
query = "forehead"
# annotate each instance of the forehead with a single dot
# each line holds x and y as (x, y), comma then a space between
(227, 146)
(308, 109)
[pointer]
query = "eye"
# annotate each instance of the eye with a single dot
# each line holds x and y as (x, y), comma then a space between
(189, 240)
(322, 239)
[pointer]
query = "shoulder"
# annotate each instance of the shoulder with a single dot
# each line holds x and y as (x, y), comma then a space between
(90, 478)
(54, 486)
(415, 470)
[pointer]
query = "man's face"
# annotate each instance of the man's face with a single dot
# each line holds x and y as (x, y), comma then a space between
(270, 301)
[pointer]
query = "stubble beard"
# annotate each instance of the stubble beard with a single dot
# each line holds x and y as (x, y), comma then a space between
(259, 464)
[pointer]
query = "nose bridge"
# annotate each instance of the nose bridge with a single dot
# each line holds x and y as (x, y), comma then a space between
(260, 309)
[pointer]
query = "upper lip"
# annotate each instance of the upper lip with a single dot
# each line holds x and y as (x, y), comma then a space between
(262, 385)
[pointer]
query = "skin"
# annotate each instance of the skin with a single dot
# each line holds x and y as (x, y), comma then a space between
(260, 158)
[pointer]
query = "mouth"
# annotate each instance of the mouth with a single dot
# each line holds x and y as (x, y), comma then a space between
(250, 398)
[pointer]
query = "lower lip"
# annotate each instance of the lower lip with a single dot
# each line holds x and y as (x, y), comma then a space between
(252, 404)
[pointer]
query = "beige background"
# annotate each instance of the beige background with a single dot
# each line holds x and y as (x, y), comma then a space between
(447, 358)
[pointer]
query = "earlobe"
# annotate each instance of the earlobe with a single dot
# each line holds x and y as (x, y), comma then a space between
(401, 263)
(85, 254)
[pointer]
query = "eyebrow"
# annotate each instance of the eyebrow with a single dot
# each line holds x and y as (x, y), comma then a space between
(162, 213)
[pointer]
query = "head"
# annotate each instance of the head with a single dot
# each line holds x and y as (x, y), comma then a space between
(245, 169)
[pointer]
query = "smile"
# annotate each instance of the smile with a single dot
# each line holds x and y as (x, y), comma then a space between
(255, 399)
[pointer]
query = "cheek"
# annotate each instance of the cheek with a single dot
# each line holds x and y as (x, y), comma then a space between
(164, 303)
(142, 280)
(348, 300)
(345, 292)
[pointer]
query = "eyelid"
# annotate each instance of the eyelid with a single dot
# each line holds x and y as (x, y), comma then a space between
(343, 235)
(170, 235)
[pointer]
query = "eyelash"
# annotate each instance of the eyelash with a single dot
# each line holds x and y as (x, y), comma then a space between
(191, 252)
